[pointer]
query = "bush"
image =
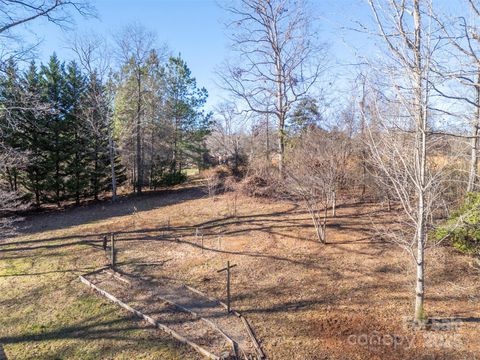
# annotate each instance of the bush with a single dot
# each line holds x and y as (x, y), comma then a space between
(463, 226)
(267, 186)
(171, 178)
(218, 179)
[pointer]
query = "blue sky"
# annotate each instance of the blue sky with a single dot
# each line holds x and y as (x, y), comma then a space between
(195, 29)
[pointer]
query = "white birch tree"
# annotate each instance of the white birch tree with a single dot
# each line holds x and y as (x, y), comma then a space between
(401, 149)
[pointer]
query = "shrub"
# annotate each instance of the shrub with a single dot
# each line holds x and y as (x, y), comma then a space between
(217, 179)
(171, 178)
(463, 226)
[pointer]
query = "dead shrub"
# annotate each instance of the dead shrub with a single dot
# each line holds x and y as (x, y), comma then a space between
(219, 180)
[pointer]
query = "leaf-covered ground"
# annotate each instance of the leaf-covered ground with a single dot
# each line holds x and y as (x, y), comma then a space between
(349, 299)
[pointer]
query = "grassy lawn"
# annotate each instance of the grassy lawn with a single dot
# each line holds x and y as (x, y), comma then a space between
(191, 171)
(47, 313)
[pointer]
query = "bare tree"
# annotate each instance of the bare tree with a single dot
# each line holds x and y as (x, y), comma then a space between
(227, 141)
(402, 149)
(461, 74)
(277, 58)
(93, 54)
(314, 170)
(15, 14)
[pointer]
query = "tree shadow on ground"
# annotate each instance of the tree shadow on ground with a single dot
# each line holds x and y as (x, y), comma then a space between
(63, 218)
(275, 223)
(97, 329)
(447, 323)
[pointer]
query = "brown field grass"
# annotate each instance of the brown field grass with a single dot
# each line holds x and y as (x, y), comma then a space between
(349, 299)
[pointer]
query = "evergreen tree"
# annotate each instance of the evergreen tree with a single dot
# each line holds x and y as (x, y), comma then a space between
(183, 106)
(76, 133)
(305, 114)
(63, 128)
(34, 136)
(98, 147)
(58, 144)
(10, 98)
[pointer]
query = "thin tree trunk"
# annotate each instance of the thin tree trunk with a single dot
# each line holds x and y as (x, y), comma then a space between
(280, 110)
(316, 225)
(334, 203)
(268, 137)
(472, 175)
(363, 152)
(111, 146)
(281, 144)
(175, 144)
(420, 280)
(324, 224)
(77, 172)
(10, 179)
(57, 171)
(37, 191)
(139, 137)
(421, 138)
(96, 181)
(15, 179)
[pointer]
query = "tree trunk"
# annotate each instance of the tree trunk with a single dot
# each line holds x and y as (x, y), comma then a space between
(15, 179)
(111, 146)
(10, 179)
(280, 110)
(57, 173)
(281, 144)
(139, 137)
(37, 195)
(363, 152)
(96, 189)
(77, 171)
(334, 203)
(472, 175)
(175, 143)
(314, 214)
(324, 224)
(421, 152)
(420, 280)
(268, 139)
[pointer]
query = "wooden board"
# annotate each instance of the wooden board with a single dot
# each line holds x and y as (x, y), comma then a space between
(152, 321)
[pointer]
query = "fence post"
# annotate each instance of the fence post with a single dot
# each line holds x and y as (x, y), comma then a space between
(227, 269)
(113, 251)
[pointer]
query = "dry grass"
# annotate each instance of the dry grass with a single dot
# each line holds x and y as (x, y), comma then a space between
(305, 300)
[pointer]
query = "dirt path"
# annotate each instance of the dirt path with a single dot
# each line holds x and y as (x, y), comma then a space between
(196, 317)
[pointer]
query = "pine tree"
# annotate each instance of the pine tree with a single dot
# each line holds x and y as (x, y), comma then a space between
(184, 103)
(34, 136)
(76, 132)
(64, 130)
(58, 144)
(10, 95)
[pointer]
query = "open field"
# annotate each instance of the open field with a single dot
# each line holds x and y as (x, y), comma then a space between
(305, 300)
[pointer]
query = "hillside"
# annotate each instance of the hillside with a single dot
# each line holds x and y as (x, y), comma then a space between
(348, 299)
